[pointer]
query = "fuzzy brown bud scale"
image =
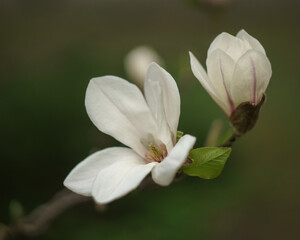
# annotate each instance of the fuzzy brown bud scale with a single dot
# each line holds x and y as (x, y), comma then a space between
(245, 116)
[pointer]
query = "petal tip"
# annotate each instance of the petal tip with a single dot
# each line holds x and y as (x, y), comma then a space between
(191, 138)
(193, 59)
(242, 31)
(152, 67)
(152, 64)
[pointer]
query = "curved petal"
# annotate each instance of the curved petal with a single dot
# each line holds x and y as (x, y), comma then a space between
(119, 109)
(164, 173)
(160, 84)
(220, 69)
(154, 96)
(201, 75)
(231, 45)
(251, 77)
(254, 43)
(120, 178)
(83, 175)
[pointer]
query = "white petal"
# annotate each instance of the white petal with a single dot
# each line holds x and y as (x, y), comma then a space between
(201, 75)
(254, 43)
(154, 96)
(231, 45)
(164, 173)
(220, 69)
(170, 95)
(120, 178)
(119, 109)
(83, 175)
(251, 77)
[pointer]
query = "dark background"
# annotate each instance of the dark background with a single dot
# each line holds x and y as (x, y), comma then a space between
(50, 49)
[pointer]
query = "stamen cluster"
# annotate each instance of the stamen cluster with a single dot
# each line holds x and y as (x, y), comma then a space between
(156, 153)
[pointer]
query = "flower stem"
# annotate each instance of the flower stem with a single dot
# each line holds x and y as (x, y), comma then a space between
(229, 142)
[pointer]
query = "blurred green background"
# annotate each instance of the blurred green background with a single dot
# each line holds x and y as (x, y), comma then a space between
(50, 49)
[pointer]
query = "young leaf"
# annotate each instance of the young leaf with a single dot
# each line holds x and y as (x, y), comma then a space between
(207, 162)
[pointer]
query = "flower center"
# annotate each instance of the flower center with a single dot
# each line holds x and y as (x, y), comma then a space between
(156, 152)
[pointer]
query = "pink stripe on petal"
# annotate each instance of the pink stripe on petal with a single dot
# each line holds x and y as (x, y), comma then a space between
(254, 81)
(231, 104)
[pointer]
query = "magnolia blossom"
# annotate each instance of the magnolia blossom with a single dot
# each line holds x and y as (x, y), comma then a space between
(238, 70)
(147, 125)
(137, 61)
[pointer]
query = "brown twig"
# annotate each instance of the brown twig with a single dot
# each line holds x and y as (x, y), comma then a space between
(38, 221)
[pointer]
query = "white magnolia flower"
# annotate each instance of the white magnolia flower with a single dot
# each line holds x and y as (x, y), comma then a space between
(238, 70)
(137, 61)
(147, 125)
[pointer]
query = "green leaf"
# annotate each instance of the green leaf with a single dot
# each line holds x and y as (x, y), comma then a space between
(207, 162)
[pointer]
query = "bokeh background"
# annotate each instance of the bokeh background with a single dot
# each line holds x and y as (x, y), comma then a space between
(50, 49)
